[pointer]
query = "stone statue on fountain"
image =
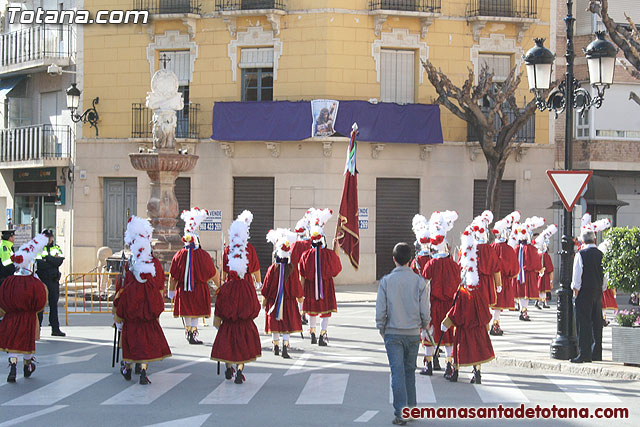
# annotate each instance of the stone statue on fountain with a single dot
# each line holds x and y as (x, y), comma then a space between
(164, 99)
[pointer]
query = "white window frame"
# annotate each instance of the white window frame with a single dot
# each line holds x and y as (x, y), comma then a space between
(411, 80)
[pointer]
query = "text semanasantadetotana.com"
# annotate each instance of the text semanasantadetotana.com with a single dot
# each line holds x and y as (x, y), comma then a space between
(42, 16)
(519, 412)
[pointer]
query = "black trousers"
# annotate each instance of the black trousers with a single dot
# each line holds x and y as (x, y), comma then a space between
(54, 296)
(589, 327)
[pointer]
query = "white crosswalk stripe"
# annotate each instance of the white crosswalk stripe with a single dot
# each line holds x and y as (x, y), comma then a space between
(145, 394)
(499, 388)
(235, 394)
(583, 390)
(324, 389)
(424, 390)
(57, 390)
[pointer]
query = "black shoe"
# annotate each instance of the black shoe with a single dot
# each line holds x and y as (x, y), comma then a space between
(454, 375)
(58, 333)
(538, 306)
(314, 340)
(524, 316)
(399, 422)
(605, 323)
(580, 360)
(125, 371)
(12, 373)
(228, 373)
(436, 363)
(193, 337)
(448, 370)
(427, 370)
(322, 341)
(143, 377)
(477, 378)
(138, 369)
(276, 350)
(239, 377)
(29, 369)
(304, 320)
(285, 352)
(545, 305)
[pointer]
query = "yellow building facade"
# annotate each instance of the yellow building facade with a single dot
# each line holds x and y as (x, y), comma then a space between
(235, 51)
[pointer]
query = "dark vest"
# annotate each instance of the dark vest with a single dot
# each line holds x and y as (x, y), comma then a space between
(592, 274)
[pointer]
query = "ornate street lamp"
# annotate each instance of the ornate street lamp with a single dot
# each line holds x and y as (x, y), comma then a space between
(601, 59)
(90, 115)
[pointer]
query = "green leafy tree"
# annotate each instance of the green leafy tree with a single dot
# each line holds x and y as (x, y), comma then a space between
(622, 259)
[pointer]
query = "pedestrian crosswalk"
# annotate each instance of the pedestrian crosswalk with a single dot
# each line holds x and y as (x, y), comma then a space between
(320, 388)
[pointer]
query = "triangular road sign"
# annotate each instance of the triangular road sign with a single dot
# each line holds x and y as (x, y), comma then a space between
(569, 185)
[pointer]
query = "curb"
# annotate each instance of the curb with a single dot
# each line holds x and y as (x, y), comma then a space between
(591, 370)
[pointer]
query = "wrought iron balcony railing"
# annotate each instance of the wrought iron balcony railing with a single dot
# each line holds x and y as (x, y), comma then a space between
(228, 5)
(187, 125)
(37, 142)
(159, 7)
(430, 6)
(503, 8)
(36, 43)
(527, 134)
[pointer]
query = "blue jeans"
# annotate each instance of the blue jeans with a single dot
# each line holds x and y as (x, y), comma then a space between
(402, 351)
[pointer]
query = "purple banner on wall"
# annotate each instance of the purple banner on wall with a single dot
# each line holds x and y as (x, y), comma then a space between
(292, 121)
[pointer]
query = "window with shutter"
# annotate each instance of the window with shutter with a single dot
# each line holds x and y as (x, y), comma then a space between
(397, 76)
(498, 64)
(183, 194)
(507, 197)
(179, 61)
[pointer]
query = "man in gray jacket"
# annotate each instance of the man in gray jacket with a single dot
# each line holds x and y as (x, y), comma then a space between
(402, 308)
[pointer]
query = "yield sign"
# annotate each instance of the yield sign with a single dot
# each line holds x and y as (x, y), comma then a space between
(569, 185)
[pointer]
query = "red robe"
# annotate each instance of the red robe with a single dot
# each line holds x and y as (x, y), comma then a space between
(237, 305)
(471, 342)
(291, 321)
(21, 298)
(418, 264)
(609, 300)
(252, 256)
(544, 281)
(509, 267)
(331, 267)
(488, 265)
(140, 306)
(444, 277)
(297, 250)
(197, 302)
(532, 264)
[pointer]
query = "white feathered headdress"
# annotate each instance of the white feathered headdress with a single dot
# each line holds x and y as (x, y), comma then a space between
(24, 256)
(420, 228)
(192, 219)
(282, 239)
(318, 218)
(480, 226)
(302, 227)
(502, 228)
(596, 227)
(469, 259)
(542, 241)
(439, 224)
(238, 240)
(138, 238)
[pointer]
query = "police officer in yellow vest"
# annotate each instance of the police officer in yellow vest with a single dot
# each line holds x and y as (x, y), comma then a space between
(48, 269)
(6, 250)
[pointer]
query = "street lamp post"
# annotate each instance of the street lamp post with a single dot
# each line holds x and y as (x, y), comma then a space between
(569, 96)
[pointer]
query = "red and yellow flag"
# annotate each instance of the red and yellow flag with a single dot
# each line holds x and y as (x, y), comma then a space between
(347, 232)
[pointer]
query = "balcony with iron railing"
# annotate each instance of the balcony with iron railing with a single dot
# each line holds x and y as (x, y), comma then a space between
(33, 49)
(521, 12)
(248, 5)
(186, 127)
(35, 146)
(273, 10)
(426, 10)
(527, 134)
(169, 7)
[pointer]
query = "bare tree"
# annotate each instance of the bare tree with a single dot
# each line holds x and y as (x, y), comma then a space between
(627, 38)
(496, 139)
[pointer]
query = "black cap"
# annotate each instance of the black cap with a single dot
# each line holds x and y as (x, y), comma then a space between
(47, 232)
(6, 234)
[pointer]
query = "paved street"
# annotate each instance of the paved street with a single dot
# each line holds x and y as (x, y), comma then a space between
(346, 383)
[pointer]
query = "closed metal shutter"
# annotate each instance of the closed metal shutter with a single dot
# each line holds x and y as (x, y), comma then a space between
(397, 71)
(183, 194)
(397, 201)
(507, 198)
(257, 195)
(120, 202)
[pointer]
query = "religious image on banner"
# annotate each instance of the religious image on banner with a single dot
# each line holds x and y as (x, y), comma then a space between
(324, 112)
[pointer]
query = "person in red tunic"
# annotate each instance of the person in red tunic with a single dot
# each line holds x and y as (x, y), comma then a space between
(609, 294)
(252, 255)
(470, 315)
(299, 247)
(530, 265)
(190, 273)
(509, 268)
(443, 276)
(423, 249)
(22, 297)
(488, 262)
(282, 291)
(140, 302)
(237, 341)
(318, 267)
(545, 280)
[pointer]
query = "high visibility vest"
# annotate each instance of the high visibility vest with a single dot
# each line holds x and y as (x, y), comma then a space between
(6, 250)
(53, 250)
